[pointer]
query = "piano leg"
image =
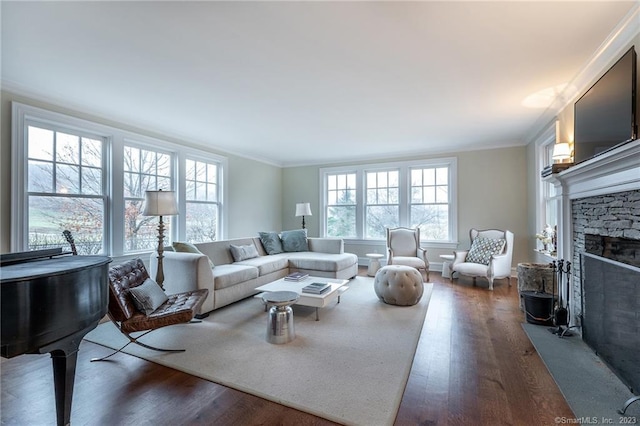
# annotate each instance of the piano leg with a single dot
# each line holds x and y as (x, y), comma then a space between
(64, 355)
(64, 371)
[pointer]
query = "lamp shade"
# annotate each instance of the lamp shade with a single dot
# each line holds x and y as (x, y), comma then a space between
(160, 203)
(561, 151)
(303, 209)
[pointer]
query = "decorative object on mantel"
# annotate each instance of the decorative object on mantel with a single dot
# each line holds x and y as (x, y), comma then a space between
(547, 237)
(562, 155)
(561, 152)
(303, 209)
(160, 203)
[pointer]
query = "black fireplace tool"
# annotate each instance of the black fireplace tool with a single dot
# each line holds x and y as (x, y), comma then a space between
(561, 314)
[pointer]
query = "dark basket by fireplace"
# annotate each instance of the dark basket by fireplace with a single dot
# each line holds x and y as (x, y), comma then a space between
(538, 307)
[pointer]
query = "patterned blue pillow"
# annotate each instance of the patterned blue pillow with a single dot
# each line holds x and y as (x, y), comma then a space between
(483, 248)
(294, 240)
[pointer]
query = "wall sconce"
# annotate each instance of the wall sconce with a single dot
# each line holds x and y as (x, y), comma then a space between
(303, 209)
(160, 203)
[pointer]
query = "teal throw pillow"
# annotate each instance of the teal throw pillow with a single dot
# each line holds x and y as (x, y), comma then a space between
(271, 242)
(148, 296)
(483, 248)
(294, 240)
(188, 248)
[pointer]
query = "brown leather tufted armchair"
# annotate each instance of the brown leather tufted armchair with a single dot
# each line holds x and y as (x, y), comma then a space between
(179, 308)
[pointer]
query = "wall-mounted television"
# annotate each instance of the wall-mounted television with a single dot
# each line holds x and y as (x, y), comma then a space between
(605, 116)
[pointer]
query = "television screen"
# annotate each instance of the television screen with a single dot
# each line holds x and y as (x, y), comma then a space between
(605, 114)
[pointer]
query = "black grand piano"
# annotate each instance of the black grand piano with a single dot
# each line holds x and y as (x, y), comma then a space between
(49, 301)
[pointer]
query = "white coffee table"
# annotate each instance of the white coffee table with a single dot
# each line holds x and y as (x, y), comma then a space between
(306, 299)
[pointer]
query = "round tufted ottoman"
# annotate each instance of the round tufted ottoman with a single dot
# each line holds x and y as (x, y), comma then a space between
(398, 285)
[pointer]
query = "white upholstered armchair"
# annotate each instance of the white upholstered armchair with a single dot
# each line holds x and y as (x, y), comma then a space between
(489, 256)
(404, 248)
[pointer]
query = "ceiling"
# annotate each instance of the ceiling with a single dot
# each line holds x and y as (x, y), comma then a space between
(296, 83)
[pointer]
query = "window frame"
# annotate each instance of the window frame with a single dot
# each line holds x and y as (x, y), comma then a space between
(404, 168)
(27, 194)
(113, 167)
(547, 196)
(219, 191)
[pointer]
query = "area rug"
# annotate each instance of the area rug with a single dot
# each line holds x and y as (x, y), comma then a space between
(591, 389)
(350, 367)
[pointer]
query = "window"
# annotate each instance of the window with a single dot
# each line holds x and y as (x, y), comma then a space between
(341, 205)
(144, 170)
(202, 201)
(382, 203)
(360, 202)
(65, 189)
(429, 203)
(91, 179)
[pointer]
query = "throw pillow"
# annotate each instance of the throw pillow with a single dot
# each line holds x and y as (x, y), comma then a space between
(295, 240)
(483, 248)
(271, 242)
(188, 248)
(241, 253)
(148, 296)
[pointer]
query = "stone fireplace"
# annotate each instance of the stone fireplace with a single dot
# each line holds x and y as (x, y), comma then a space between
(603, 220)
(599, 225)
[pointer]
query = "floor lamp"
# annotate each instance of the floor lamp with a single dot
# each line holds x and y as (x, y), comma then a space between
(303, 209)
(160, 203)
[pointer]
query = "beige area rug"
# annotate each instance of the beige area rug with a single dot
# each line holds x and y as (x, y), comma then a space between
(350, 367)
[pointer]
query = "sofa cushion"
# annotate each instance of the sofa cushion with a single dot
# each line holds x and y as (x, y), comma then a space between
(148, 296)
(321, 261)
(271, 242)
(229, 275)
(267, 264)
(295, 240)
(483, 248)
(185, 247)
(241, 253)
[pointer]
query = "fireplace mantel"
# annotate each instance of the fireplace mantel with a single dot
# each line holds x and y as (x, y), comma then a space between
(614, 171)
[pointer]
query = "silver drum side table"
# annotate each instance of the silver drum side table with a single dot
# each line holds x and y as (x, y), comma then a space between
(280, 328)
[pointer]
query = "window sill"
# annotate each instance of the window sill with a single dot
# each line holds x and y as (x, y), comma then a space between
(546, 254)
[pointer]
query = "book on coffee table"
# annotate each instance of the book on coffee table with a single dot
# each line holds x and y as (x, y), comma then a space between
(296, 276)
(316, 288)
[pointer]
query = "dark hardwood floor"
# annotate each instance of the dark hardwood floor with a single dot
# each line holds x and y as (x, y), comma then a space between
(474, 366)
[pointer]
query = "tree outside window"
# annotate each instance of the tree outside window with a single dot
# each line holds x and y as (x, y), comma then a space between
(362, 201)
(429, 204)
(341, 205)
(382, 203)
(202, 200)
(144, 170)
(65, 181)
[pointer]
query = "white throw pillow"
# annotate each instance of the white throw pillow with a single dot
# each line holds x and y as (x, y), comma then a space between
(148, 296)
(240, 253)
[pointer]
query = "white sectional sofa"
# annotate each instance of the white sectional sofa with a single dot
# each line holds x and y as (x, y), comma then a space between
(229, 281)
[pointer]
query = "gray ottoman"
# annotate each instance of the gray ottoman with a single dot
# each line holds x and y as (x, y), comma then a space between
(398, 285)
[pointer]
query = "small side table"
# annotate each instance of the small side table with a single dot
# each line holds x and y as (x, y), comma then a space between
(280, 327)
(374, 263)
(446, 265)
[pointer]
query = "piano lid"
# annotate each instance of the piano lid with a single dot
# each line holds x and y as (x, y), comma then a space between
(37, 268)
